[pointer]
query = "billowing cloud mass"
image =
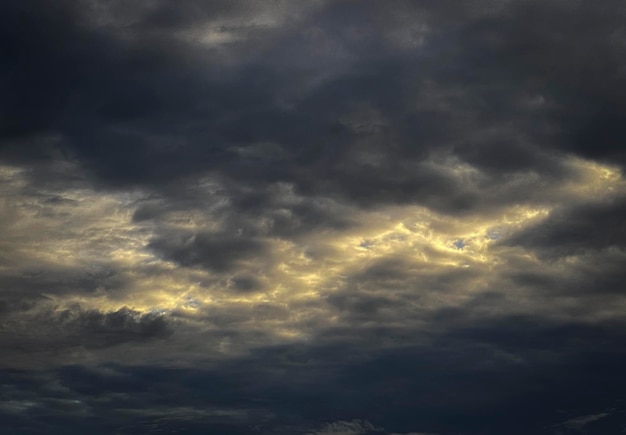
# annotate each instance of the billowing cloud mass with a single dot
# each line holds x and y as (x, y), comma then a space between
(313, 217)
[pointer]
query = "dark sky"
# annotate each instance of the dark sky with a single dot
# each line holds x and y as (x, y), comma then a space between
(312, 217)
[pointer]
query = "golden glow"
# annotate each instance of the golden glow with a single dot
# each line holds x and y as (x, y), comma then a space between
(594, 179)
(85, 230)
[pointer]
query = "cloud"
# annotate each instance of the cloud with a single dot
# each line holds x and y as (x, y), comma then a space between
(39, 329)
(205, 250)
(579, 422)
(354, 427)
(236, 217)
(578, 229)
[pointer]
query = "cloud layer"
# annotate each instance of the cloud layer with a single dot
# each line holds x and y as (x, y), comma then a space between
(312, 217)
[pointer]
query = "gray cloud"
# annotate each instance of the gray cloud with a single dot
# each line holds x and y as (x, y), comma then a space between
(205, 250)
(578, 229)
(312, 217)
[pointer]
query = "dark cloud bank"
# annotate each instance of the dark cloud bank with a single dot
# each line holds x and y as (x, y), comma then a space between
(225, 144)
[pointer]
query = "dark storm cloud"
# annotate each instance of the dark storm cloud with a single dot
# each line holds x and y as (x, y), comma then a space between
(54, 280)
(578, 229)
(38, 328)
(461, 382)
(113, 327)
(118, 400)
(365, 133)
(136, 114)
(250, 211)
(103, 97)
(230, 171)
(245, 283)
(577, 55)
(596, 280)
(291, 216)
(212, 252)
(394, 290)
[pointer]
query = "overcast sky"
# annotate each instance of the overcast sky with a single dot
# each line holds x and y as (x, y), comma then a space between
(313, 217)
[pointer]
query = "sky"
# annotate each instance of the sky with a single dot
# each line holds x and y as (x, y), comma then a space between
(313, 217)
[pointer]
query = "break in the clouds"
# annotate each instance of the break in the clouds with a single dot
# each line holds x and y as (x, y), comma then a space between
(312, 217)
